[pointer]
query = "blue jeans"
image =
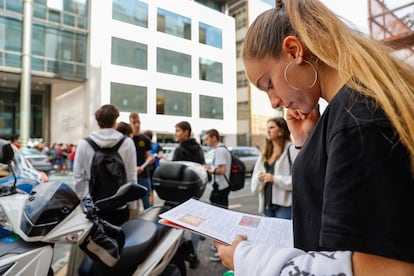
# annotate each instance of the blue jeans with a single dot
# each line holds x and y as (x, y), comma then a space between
(146, 182)
(279, 212)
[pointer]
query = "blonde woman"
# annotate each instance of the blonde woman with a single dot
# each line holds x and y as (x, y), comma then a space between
(353, 178)
(272, 173)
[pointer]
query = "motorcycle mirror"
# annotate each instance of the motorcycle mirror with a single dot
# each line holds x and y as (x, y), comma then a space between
(6, 152)
(130, 192)
(126, 193)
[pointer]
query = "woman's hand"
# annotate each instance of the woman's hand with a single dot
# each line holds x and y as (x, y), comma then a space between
(301, 125)
(226, 252)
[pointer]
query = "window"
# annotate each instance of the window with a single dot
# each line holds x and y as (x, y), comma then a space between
(240, 17)
(129, 53)
(173, 24)
(211, 70)
(211, 107)
(174, 63)
(130, 11)
(243, 111)
(129, 98)
(239, 45)
(210, 35)
(173, 103)
(241, 79)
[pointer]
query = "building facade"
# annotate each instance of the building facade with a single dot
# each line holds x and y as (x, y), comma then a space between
(169, 60)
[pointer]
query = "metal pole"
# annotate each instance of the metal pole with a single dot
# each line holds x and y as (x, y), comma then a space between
(25, 88)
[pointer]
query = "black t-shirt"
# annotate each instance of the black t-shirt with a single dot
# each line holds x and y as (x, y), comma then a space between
(353, 188)
(142, 145)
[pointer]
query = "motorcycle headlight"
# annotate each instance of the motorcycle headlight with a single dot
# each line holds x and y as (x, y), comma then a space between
(5, 226)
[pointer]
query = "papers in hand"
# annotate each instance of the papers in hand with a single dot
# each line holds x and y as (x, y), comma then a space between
(223, 224)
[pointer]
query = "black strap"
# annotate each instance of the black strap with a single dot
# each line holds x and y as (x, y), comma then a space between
(96, 147)
(290, 159)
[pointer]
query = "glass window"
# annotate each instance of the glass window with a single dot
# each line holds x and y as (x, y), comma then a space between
(13, 35)
(130, 11)
(13, 60)
(211, 107)
(241, 79)
(39, 11)
(211, 70)
(3, 33)
(174, 24)
(210, 35)
(240, 17)
(174, 63)
(54, 16)
(38, 40)
(239, 45)
(129, 53)
(243, 111)
(79, 7)
(173, 103)
(14, 5)
(73, 47)
(129, 98)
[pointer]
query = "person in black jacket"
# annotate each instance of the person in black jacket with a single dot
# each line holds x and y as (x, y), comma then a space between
(188, 150)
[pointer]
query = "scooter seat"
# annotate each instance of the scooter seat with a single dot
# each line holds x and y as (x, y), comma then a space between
(139, 239)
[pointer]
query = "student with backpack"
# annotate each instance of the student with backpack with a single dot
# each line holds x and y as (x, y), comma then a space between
(219, 170)
(104, 161)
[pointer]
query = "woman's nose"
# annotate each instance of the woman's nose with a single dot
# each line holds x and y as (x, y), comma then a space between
(274, 101)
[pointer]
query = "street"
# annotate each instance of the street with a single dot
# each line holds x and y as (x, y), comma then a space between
(242, 200)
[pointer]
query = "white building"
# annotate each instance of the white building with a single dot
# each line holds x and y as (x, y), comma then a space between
(168, 60)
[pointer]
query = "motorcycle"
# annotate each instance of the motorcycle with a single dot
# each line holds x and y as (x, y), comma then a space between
(153, 248)
(54, 214)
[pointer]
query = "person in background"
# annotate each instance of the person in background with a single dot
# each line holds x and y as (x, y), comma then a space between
(143, 146)
(272, 173)
(353, 179)
(220, 168)
(106, 136)
(125, 129)
(188, 150)
(157, 152)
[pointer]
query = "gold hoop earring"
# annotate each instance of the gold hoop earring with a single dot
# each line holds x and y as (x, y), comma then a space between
(297, 88)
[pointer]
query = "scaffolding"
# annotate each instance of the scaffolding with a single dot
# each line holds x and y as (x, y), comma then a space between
(393, 22)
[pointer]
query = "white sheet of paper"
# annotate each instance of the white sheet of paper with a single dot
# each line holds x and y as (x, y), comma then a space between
(223, 224)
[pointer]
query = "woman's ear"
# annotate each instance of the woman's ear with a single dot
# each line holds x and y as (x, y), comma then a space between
(293, 47)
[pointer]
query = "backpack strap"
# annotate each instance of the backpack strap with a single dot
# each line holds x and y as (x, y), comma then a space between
(225, 176)
(92, 143)
(118, 145)
(96, 147)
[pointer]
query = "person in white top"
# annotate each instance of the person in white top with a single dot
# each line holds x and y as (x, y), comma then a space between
(272, 173)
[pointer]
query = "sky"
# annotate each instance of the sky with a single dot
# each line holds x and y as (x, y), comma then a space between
(354, 11)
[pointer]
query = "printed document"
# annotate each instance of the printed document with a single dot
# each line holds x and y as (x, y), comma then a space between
(223, 224)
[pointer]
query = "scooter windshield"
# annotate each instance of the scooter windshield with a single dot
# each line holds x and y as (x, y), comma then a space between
(47, 205)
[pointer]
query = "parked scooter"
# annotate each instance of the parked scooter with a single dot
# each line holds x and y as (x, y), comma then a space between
(152, 248)
(53, 213)
(49, 214)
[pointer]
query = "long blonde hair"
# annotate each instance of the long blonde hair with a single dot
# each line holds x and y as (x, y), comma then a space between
(364, 63)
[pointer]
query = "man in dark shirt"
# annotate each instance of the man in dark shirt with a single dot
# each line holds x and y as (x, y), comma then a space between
(143, 146)
(188, 150)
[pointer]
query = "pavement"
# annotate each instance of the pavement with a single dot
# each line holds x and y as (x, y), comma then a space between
(242, 200)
